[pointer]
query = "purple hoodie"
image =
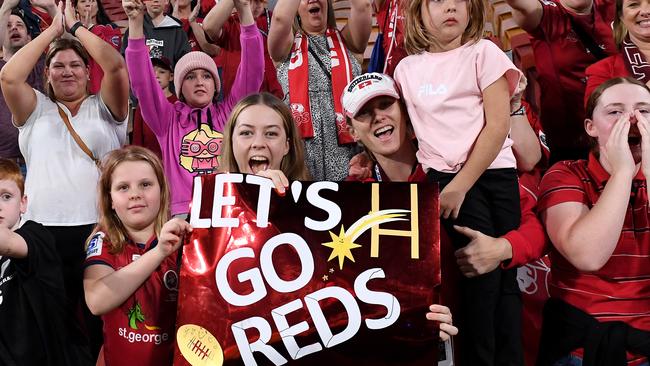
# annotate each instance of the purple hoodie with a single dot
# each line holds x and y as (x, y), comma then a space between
(191, 138)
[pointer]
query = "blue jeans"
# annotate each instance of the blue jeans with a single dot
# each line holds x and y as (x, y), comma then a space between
(573, 360)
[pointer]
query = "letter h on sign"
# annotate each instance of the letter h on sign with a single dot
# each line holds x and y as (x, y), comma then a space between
(375, 231)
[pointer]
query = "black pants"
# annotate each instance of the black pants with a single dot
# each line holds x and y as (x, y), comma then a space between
(85, 328)
(490, 319)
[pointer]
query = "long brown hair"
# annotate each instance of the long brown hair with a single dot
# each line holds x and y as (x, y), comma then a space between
(417, 39)
(57, 46)
(293, 164)
(109, 222)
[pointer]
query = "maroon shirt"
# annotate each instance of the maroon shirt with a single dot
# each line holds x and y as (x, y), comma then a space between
(396, 52)
(141, 330)
(561, 59)
(8, 132)
(603, 70)
(230, 55)
(111, 35)
(142, 134)
(620, 290)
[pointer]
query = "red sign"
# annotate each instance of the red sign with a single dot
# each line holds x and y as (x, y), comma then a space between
(331, 272)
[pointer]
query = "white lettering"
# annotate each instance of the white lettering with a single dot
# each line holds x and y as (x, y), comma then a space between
(246, 349)
(376, 298)
(323, 329)
(331, 208)
(253, 275)
(288, 333)
(220, 201)
(306, 262)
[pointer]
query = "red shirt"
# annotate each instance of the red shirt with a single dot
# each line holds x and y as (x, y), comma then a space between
(194, 44)
(603, 70)
(141, 330)
(142, 134)
(396, 52)
(230, 55)
(528, 241)
(112, 36)
(621, 289)
(531, 179)
(44, 18)
(561, 59)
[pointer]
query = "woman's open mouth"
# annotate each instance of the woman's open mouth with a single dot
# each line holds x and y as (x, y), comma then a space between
(258, 164)
(384, 133)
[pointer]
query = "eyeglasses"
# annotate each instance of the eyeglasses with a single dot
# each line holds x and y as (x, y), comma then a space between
(196, 148)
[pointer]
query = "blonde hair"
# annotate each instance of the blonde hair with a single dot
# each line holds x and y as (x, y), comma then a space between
(619, 30)
(109, 222)
(293, 164)
(417, 39)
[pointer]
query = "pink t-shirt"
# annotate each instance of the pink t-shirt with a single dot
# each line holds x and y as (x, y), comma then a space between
(443, 93)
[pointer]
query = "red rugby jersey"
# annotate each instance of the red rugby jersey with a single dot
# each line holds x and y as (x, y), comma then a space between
(141, 330)
(561, 59)
(111, 35)
(621, 289)
(394, 52)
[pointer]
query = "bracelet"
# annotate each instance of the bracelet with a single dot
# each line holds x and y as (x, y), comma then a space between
(74, 28)
(519, 112)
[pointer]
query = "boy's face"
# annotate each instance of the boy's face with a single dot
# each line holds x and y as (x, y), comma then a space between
(12, 203)
(163, 76)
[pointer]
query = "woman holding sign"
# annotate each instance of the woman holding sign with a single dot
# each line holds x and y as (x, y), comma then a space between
(273, 148)
(378, 119)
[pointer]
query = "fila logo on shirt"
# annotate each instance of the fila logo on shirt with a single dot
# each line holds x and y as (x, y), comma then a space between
(426, 90)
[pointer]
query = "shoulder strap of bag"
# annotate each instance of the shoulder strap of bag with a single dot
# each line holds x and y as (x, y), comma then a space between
(318, 60)
(76, 137)
(587, 40)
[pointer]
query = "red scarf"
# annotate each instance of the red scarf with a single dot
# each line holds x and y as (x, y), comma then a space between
(299, 84)
(635, 61)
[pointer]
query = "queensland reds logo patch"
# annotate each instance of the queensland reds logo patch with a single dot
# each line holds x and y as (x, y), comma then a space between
(341, 125)
(300, 114)
(115, 41)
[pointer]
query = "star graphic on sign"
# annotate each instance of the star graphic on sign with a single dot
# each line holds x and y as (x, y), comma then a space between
(341, 247)
(331, 270)
(343, 243)
(325, 277)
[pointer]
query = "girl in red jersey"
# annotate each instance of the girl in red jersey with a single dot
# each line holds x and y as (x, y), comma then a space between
(596, 214)
(131, 276)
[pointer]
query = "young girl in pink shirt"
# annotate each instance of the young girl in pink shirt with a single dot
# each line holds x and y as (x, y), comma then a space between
(457, 88)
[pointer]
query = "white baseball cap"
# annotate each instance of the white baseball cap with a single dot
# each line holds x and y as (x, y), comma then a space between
(365, 87)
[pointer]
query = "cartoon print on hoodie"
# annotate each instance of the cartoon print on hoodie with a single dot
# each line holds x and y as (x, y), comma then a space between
(201, 148)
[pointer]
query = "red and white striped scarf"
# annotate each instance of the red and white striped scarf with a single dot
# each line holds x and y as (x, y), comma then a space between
(299, 84)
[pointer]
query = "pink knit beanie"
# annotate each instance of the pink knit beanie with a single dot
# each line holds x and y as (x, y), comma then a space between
(192, 61)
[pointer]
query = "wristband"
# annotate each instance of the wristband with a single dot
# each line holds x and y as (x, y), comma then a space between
(74, 27)
(519, 112)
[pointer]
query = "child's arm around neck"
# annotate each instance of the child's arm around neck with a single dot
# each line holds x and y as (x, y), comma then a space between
(11, 244)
